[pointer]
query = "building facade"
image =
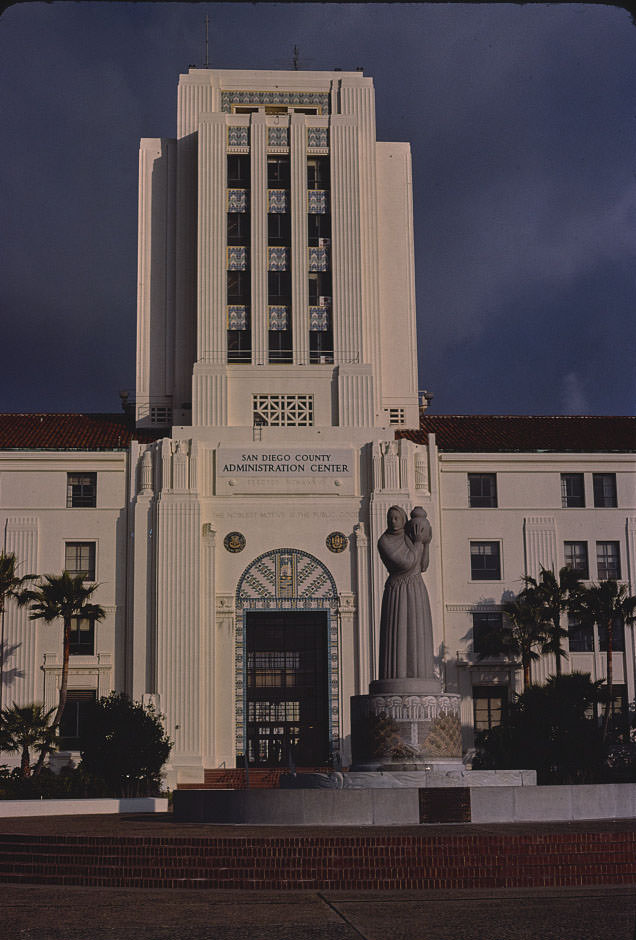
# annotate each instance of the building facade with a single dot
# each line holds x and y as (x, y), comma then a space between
(231, 516)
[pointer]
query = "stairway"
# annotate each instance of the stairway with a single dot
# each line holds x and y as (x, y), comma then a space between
(320, 860)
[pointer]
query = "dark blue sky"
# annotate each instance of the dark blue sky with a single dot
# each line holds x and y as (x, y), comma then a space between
(522, 121)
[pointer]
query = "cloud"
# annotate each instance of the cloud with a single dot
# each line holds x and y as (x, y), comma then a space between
(573, 398)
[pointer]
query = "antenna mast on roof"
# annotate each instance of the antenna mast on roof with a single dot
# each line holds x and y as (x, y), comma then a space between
(295, 58)
(207, 59)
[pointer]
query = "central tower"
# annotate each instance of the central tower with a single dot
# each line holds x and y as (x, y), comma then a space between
(276, 258)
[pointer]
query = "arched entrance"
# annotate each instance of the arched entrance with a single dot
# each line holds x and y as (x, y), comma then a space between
(287, 661)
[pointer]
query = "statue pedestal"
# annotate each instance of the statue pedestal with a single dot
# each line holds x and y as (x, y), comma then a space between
(406, 725)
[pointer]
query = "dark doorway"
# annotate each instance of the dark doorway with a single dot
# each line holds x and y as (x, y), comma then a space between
(287, 700)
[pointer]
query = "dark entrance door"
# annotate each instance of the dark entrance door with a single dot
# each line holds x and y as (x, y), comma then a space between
(287, 701)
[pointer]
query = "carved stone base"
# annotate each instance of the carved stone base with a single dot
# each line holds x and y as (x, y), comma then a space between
(405, 731)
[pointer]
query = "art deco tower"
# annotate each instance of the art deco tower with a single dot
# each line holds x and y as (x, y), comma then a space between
(276, 258)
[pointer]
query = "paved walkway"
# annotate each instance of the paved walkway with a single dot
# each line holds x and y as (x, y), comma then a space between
(56, 913)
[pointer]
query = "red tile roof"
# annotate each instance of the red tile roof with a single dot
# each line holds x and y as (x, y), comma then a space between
(527, 433)
(70, 432)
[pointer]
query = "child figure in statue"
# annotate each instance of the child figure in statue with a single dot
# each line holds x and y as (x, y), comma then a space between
(406, 630)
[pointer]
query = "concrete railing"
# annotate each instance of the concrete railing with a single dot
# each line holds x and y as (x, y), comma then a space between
(150, 804)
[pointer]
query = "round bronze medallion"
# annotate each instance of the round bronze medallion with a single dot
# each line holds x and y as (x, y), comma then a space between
(336, 541)
(234, 542)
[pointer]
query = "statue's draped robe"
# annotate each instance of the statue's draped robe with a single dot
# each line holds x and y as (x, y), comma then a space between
(406, 630)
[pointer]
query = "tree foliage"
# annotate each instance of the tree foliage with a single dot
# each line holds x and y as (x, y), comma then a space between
(521, 635)
(25, 729)
(61, 597)
(603, 604)
(552, 595)
(552, 729)
(125, 745)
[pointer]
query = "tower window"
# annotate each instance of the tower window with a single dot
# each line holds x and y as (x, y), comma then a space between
(277, 172)
(238, 169)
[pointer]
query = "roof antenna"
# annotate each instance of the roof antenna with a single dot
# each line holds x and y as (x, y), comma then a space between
(295, 58)
(207, 58)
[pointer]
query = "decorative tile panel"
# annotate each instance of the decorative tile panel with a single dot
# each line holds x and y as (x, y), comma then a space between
(278, 136)
(317, 136)
(237, 200)
(278, 317)
(277, 258)
(237, 258)
(288, 579)
(278, 200)
(318, 319)
(238, 136)
(236, 317)
(318, 201)
(316, 99)
(318, 258)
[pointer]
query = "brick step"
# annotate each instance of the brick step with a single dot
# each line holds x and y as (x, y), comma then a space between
(320, 862)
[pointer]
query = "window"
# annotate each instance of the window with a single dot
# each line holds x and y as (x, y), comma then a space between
(81, 490)
(238, 169)
(79, 558)
(576, 558)
(608, 560)
(580, 637)
(482, 490)
(238, 286)
(572, 490)
(489, 702)
(283, 411)
(238, 228)
(618, 636)
(318, 173)
(396, 416)
(82, 636)
(485, 563)
(604, 490)
(318, 227)
(485, 625)
(76, 711)
(277, 172)
(278, 286)
(278, 230)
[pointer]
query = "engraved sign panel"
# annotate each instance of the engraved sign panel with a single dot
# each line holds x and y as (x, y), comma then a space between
(305, 468)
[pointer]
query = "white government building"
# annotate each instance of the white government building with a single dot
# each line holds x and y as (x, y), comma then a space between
(230, 514)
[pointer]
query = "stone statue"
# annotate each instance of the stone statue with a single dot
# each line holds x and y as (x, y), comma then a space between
(406, 630)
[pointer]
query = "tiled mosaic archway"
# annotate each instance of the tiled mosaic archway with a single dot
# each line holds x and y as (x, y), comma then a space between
(288, 579)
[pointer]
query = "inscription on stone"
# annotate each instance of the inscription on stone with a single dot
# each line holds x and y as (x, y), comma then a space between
(279, 462)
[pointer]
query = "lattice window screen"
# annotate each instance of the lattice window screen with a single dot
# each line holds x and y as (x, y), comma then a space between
(283, 411)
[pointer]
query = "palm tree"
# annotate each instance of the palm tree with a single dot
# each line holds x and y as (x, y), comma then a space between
(519, 636)
(10, 586)
(61, 597)
(603, 604)
(24, 728)
(553, 595)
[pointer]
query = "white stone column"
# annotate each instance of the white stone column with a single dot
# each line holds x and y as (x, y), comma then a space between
(540, 538)
(258, 250)
(224, 693)
(179, 648)
(357, 97)
(208, 631)
(345, 255)
(364, 634)
(300, 265)
(21, 677)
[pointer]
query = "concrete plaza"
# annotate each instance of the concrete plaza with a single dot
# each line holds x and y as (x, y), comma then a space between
(38, 912)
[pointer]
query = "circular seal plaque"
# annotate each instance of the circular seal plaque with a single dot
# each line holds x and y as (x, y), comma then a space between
(336, 542)
(234, 542)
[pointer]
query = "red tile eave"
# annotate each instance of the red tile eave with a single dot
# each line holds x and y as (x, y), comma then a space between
(70, 432)
(527, 433)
